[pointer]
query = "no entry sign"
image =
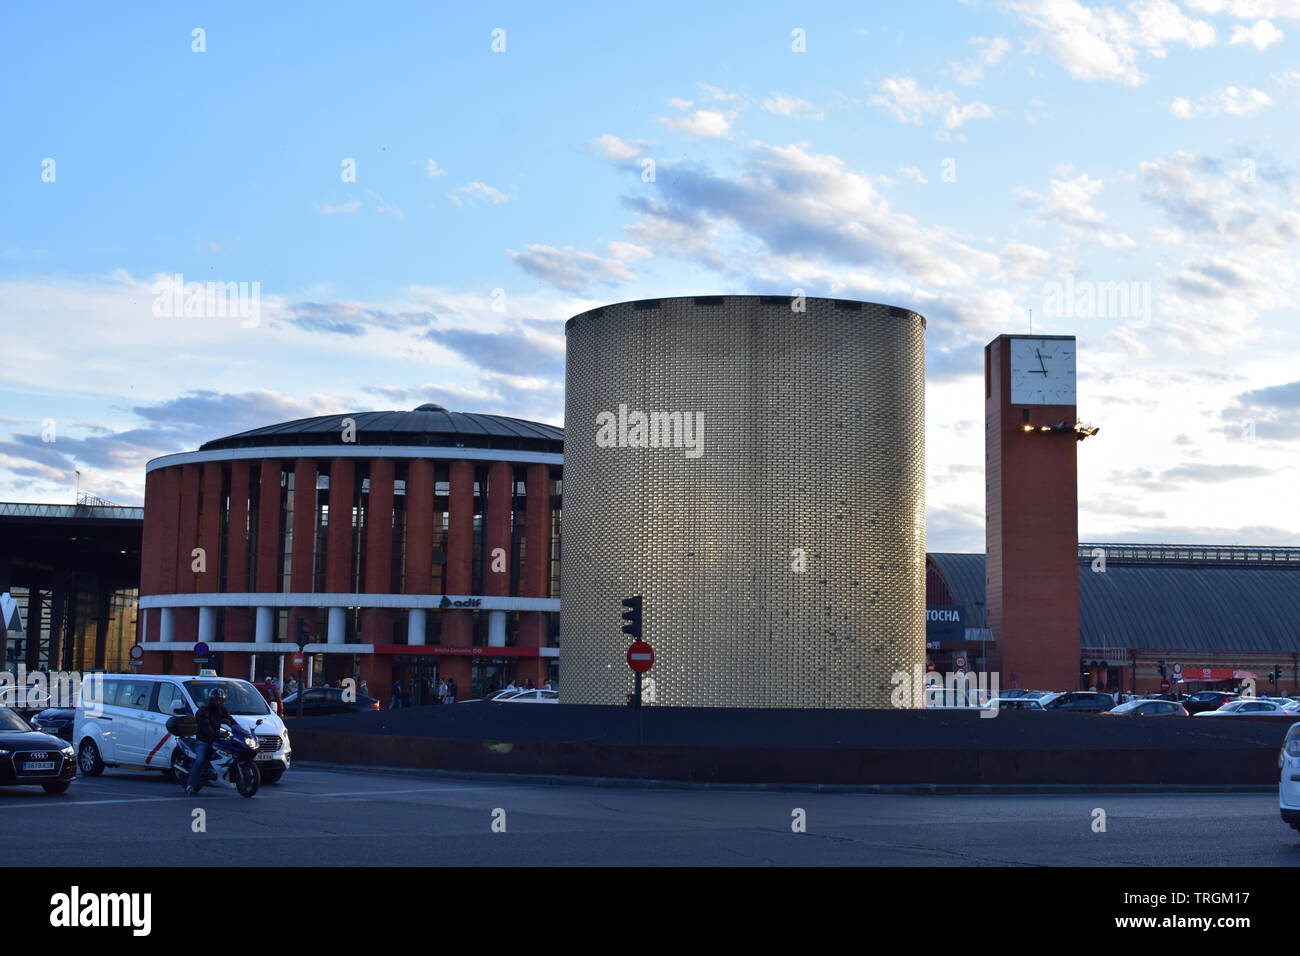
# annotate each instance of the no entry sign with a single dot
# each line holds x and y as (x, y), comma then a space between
(640, 657)
(298, 661)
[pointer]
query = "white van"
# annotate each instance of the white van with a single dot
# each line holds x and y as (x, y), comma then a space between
(1288, 795)
(121, 720)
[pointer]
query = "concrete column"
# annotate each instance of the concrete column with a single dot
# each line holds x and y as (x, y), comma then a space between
(337, 626)
(338, 570)
(375, 622)
(267, 578)
(536, 574)
(419, 527)
(415, 626)
(496, 537)
(168, 528)
(265, 625)
(167, 630)
(207, 625)
(302, 575)
(496, 628)
(237, 619)
(187, 534)
(457, 628)
(211, 508)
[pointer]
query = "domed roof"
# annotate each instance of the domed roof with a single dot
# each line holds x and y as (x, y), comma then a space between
(428, 425)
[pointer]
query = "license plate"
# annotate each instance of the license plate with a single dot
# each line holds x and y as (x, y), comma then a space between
(39, 765)
(265, 757)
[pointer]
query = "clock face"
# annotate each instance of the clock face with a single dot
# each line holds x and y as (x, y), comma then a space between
(1042, 372)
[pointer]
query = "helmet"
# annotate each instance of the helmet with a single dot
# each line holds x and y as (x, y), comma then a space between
(217, 694)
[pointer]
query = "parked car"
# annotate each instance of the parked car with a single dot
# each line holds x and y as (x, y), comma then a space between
(30, 758)
(1018, 703)
(1288, 788)
(1251, 707)
(1207, 700)
(1149, 708)
(121, 721)
(538, 696)
(55, 720)
(1079, 701)
(322, 701)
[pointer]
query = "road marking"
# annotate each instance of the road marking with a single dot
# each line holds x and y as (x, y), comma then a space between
(54, 802)
(414, 790)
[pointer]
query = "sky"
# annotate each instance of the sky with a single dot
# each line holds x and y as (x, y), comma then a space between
(415, 197)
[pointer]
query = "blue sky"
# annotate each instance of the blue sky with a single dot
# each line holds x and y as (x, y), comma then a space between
(956, 158)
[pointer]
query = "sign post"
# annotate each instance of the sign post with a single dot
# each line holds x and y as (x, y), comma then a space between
(300, 638)
(640, 655)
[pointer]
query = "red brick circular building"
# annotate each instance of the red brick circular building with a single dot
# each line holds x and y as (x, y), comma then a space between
(410, 545)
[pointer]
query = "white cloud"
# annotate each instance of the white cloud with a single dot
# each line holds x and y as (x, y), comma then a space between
(431, 168)
(615, 148)
(477, 190)
(1069, 204)
(721, 95)
(990, 53)
(1231, 100)
(1105, 44)
(1250, 9)
(574, 270)
(705, 124)
(908, 103)
(329, 209)
(783, 104)
(913, 173)
(1261, 35)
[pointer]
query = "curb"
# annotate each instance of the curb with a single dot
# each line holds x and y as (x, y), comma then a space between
(908, 789)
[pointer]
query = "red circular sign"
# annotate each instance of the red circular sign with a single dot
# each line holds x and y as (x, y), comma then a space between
(298, 661)
(1164, 685)
(137, 652)
(640, 657)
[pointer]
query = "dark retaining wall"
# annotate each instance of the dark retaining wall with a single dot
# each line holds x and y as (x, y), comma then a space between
(905, 748)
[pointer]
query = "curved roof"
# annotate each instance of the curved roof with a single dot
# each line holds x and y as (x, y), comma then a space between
(1167, 606)
(428, 425)
(723, 300)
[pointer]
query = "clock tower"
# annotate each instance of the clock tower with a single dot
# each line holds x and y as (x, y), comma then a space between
(1032, 437)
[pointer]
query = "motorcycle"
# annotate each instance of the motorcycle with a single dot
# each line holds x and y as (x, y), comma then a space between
(233, 759)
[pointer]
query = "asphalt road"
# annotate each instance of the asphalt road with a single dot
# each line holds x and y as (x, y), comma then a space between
(322, 817)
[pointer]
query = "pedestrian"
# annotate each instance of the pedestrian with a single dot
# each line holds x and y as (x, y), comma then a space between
(442, 691)
(293, 685)
(395, 702)
(451, 691)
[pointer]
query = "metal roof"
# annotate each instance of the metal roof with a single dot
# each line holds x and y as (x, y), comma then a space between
(1166, 604)
(428, 425)
(21, 509)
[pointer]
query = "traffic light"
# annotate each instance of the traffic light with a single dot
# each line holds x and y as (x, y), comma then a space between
(632, 617)
(1160, 667)
(1275, 675)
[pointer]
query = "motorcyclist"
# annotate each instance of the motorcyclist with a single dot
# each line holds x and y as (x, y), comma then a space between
(209, 719)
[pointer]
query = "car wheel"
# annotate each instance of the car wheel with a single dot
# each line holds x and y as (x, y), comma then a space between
(88, 759)
(55, 788)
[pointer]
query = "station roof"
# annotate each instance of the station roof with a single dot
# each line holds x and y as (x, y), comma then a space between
(1176, 597)
(428, 425)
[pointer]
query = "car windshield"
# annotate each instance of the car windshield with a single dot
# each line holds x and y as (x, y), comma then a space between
(10, 721)
(241, 699)
(1128, 708)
